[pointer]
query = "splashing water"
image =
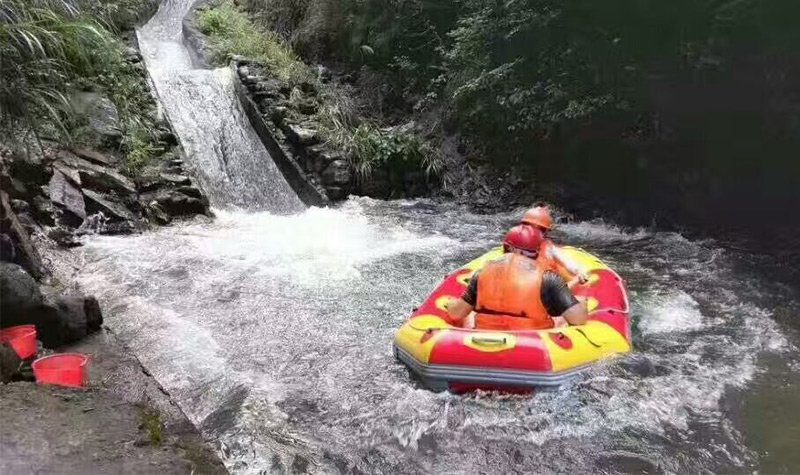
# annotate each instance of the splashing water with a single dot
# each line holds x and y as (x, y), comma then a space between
(226, 155)
(273, 333)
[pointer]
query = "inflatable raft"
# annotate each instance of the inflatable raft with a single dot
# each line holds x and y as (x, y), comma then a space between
(448, 357)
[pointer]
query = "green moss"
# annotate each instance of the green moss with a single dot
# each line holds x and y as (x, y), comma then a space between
(152, 425)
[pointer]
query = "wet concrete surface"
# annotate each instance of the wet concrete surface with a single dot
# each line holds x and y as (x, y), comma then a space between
(111, 426)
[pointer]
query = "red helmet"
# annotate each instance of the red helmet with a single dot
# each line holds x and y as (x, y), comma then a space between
(524, 239)
(538, 216)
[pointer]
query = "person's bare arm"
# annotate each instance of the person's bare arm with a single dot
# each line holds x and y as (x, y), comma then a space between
(575, 269)
(577, 314)
(458, 310)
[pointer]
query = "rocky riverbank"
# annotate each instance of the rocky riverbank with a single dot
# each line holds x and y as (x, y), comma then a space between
(54, 191)
(304, 119)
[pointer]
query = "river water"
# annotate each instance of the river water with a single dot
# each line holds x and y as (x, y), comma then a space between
(271, 327)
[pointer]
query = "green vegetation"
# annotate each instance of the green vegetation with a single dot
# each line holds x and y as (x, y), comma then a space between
(51, 48)
(152, 425)
(43, 45)
(371, 148)
(625, 96)
(233, 32)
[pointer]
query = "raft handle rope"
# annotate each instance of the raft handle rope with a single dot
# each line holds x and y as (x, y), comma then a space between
(580, 330)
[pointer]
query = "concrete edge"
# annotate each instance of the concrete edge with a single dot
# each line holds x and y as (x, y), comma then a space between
(291, 170)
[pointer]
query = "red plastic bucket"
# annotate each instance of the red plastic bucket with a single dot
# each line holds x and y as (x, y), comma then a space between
(65, 369)
(22, 339)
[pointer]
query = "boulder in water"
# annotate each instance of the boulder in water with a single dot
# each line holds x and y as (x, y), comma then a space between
(176, 179)
(180, 204)
(155, 212)
(108, 206)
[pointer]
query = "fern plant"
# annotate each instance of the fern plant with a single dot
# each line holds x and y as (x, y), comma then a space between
(43, 45)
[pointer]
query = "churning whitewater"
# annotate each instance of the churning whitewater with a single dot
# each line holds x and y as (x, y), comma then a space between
(274, 335)
(272, 331)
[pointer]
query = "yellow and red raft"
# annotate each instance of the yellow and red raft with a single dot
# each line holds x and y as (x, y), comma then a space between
(448, 357)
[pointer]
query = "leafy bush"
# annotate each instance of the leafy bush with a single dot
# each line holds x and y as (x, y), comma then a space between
(370, 148)
(233, 33)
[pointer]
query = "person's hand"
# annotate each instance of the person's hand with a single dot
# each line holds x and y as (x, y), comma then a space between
(560, 322)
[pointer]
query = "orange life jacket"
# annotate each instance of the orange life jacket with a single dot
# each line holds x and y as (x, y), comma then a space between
(509, 295)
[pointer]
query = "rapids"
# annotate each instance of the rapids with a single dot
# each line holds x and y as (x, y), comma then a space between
(271, 326)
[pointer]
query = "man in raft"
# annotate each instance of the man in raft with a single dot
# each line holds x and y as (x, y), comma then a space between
(551, 257)
(515, 292)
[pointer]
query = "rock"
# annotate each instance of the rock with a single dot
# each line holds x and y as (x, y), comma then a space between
(66, 195)
(324, 74)
(100, 111)
(9, 363)
(300, 136)
(243, 71)
(149, 183)
(336, 193)
(179, 204)
(24, 252)
(106, 180)
(19, 294)
(278, 114)
(14, 187)
(65, 319)
(30, 169)
(176, 179)
(190, 191)
(166, 136)
(43, 210)
(70, 173)
(95, 176)
(20, 207)
(64, 237)
(155, 212)
(107, 205)
(132, 55)
(338, 173)
(7, 251)
(95, 157)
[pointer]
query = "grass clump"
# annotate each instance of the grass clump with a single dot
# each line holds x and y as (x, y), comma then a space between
(232, 32)
(370, 148)
(44, 45)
